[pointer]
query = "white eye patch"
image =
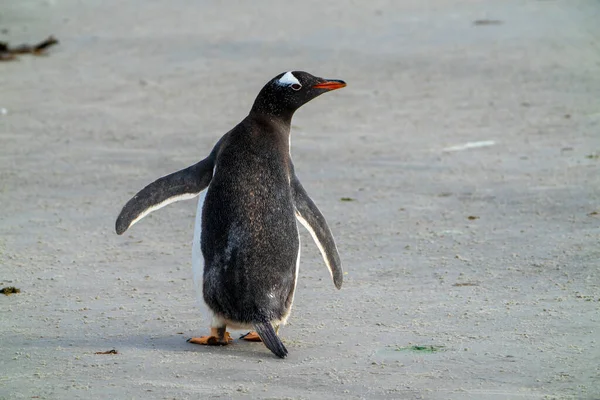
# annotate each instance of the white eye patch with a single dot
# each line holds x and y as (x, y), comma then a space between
(288, 79)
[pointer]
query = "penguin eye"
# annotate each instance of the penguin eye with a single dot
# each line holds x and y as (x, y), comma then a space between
(296, 86)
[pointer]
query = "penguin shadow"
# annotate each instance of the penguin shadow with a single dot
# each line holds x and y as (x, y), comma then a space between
(178, 343)
(239, 347)
(122, 346)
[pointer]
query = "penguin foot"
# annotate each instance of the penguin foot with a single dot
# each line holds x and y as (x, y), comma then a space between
(218, 337)
(251, 337)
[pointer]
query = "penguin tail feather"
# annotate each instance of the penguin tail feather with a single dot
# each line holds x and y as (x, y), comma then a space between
(270, 339)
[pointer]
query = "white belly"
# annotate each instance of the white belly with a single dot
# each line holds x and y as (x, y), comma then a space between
(289, 311)
(198, 262)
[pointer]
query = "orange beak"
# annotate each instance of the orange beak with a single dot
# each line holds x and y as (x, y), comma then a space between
(330, 84)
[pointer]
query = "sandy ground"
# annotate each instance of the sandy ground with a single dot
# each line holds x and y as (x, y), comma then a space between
(488, 254)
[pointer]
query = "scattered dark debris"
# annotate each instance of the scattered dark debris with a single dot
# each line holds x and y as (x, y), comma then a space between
(460, 284)
(479, 22)
(10, 53)
(593, 213)
(113, 351)
(593, 156)
(472, 217)
(586, 297)
(445, 194)
(179, 333)
(347, 199)
(567, 116)
(10, 290)
(526, 104)
(421, 349)
(567, 149)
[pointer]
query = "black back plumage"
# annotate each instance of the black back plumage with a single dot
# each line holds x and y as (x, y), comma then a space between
(250, 239)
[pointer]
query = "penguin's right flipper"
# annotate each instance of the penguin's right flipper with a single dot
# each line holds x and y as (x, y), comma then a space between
(181, 185)
(309, 215)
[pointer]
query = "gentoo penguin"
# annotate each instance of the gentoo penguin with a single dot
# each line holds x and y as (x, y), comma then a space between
(246, 248)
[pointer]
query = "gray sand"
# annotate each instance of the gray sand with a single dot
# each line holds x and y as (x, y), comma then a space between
(136, 90)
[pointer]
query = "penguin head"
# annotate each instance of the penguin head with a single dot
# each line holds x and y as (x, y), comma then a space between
(288, 91)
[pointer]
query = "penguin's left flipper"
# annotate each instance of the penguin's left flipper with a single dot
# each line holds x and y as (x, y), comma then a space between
(181, 185)
(309, 215)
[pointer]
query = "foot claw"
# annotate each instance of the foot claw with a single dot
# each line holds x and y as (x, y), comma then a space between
(251, 337)
(212, 340)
